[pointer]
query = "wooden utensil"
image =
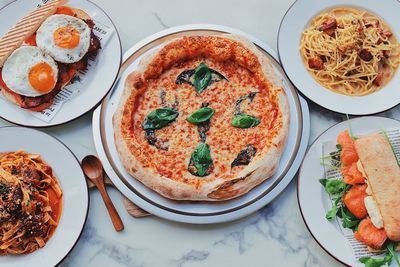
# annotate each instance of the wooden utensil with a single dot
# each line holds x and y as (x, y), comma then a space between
(93, 169)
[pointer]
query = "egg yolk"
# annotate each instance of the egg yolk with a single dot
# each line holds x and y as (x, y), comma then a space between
(66, 37)
(41, 77)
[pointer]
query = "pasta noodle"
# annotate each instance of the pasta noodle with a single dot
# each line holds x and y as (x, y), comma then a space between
(350, 51)
(30, 203)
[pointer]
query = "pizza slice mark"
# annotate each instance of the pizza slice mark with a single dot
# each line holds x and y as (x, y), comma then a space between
(200, 78)
(165, 103)
(242, 120)
(202, 118)
(201, 163)
(245, 156)
(155, 120)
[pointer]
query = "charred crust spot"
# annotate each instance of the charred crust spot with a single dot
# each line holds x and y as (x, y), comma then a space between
(245, 156)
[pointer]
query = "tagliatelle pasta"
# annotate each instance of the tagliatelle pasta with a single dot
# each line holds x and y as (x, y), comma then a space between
(30, 202)
(350, 51)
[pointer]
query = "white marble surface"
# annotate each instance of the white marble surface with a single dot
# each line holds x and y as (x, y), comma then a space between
(273, 236)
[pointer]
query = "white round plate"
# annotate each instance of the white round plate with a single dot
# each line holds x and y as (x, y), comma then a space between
(197, 212)
(75, 198)
(297, 18)
(314, 202)
(99, 78)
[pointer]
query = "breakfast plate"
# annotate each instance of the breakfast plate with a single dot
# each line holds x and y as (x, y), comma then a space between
(314, 202)
(307, 46)
(73, 211)
(200, 212)
(86, 89)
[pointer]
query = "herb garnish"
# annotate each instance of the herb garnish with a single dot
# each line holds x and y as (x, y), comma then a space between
(3, 188)
(159, 118)
(245, 121)
(201, 163)
(200, 78)
(337, 188)
(390, 254)
(201, 115)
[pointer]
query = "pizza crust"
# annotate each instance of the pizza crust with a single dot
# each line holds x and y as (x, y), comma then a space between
(219, 48)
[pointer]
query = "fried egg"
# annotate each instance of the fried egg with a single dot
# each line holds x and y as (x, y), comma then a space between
(30, 72)
(64, 37)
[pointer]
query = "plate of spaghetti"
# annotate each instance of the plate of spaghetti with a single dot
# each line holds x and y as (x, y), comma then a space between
(346, 54)
(43, 198)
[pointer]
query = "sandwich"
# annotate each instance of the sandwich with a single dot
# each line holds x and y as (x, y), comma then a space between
(371, 171)
(57, 44)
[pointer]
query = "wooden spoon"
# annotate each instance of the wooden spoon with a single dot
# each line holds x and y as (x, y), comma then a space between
(93, 169)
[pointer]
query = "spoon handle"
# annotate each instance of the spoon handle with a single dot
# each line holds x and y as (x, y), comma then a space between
(116, 220)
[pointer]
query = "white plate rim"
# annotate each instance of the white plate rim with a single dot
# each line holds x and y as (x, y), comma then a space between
(199, 218)
(309, 87)
(298, 180)
(68, 150)
(50, 124)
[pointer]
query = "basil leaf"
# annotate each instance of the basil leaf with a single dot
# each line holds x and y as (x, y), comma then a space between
(202, 78)
(334, 186)
(201, 115)
(201, 160)
(159, 118)
(245, 121)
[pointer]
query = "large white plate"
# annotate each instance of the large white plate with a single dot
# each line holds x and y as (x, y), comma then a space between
(314, 202)
(67, 169)
(100, 77)
(200, 212)
(297, 19)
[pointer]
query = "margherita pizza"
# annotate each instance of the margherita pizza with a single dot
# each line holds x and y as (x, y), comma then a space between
(202, 118)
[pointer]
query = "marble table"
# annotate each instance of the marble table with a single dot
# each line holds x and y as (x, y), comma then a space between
(274, 236)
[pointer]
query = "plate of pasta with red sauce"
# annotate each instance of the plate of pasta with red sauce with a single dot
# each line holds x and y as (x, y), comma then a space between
(43, 199)
(345, 55)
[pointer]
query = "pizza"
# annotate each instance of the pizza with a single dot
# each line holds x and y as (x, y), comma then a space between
(203, 118)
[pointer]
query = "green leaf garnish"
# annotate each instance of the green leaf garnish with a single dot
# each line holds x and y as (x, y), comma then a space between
(201, 160)
(202, 77)
(245, 121)
(390, 254)
(333, 186)
(159, 118)
(201, 115)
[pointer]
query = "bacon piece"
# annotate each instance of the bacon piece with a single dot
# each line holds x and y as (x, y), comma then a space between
(378, 79)
(330, 24)
(316, 63)
(370, 235)
(365, 55)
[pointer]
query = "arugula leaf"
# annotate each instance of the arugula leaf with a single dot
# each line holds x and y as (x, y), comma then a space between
(332, 213)
(333, 186)
(349, 220)
(391, 249)
(376, 262)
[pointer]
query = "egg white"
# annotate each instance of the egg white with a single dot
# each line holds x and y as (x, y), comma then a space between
(45, 40)
(16, 69)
